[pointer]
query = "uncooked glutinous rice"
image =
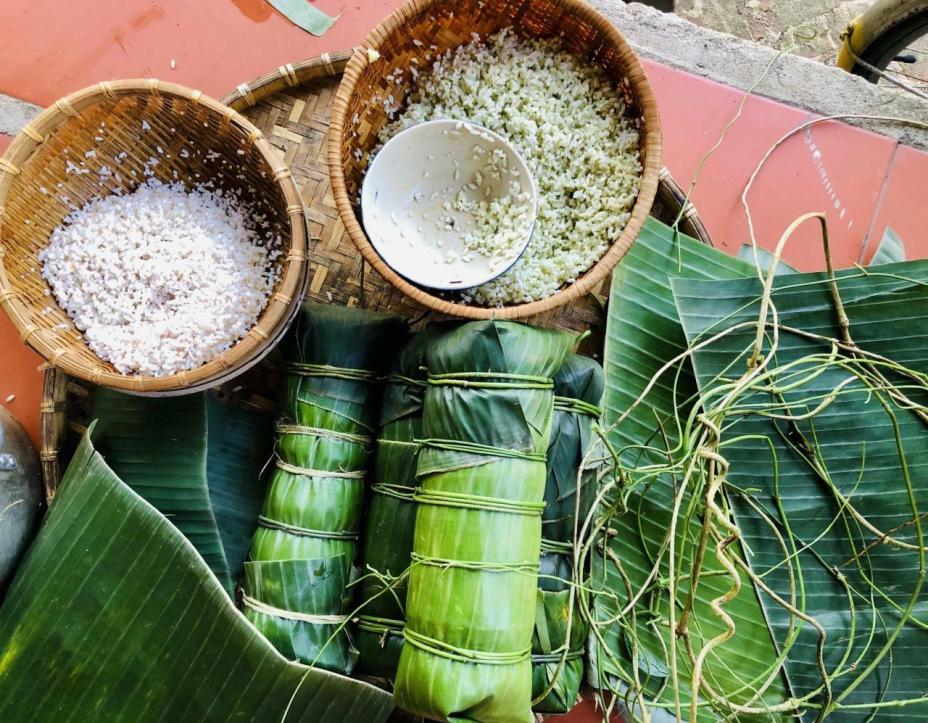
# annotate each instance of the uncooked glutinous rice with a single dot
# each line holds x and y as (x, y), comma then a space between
(568, 121)
(162, 280)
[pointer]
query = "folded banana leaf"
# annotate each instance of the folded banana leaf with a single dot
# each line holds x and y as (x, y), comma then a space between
(632, 653)
(311, 518)
(841, 485)
(557, 663)
(391, 514)
(196, 460)
(556, 676)
(238, 442)
(114, 616)
(158, 445)
(473, 580)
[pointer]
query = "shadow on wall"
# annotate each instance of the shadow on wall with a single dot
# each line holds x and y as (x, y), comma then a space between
(662, 5)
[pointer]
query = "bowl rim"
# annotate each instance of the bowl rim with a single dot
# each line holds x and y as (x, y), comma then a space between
(281, 307)
(649, 145)
(533, 194)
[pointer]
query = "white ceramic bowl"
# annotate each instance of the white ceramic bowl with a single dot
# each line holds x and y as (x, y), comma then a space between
(407, 203)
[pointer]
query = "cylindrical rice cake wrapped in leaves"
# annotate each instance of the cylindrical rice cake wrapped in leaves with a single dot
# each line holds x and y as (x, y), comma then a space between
(303, 550)
(472, 587)
(557, 663)
(309, 590)
(391, 515)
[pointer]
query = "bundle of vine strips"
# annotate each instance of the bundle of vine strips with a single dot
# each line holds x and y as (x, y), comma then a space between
(296, 584)
(485, 430)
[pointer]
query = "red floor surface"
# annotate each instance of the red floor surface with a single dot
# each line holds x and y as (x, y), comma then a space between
(865, 182)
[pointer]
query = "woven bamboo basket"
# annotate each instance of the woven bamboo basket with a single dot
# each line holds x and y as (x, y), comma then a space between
(121, 125)
(422, 28)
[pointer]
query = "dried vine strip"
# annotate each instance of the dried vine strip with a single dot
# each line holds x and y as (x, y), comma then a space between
(486, 424)
(560, 633)
(391, 515)
(296, 584)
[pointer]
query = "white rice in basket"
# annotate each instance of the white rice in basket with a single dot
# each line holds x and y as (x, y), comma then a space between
(567, 120)
(162, 280)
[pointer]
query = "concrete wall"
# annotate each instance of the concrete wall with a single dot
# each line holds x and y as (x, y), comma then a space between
(796, 81)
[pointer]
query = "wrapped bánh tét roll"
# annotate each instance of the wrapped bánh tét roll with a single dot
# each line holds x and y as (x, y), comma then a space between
(391, 515)
(481, 472)
(560, 634)
(303, 551)
(307, 589)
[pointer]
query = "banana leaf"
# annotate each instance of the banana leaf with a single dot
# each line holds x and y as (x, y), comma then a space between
(486, 424)
(317, 588)
(391, 515)
(632, 654)
(196, 460)
(762, 259)
(113, 616)
(578, 390)
(550, 634)
(891, 249)
(822, 479)
(311, 517)
(238, 443)
(158, 446)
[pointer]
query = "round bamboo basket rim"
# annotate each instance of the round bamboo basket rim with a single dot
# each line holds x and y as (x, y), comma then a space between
(650, 144)
(291, 75)
(281, 306)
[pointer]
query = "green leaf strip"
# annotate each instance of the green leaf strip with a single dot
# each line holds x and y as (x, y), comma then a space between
(309, 472)
(466, 501)
(456, 445)
(576, 406)
(303, 15)
(483, 380)
(305, 531)
(463, 655)
(558, 657)
(398, 442)
(403, 380)
(362, 439)
(374, 624)
(446, 563)
(304, 369)
(556, 546)
(261, 607)
(400, 492)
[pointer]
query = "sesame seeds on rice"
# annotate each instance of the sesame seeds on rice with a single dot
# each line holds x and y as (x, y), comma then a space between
(568, 121)
(162, 279)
